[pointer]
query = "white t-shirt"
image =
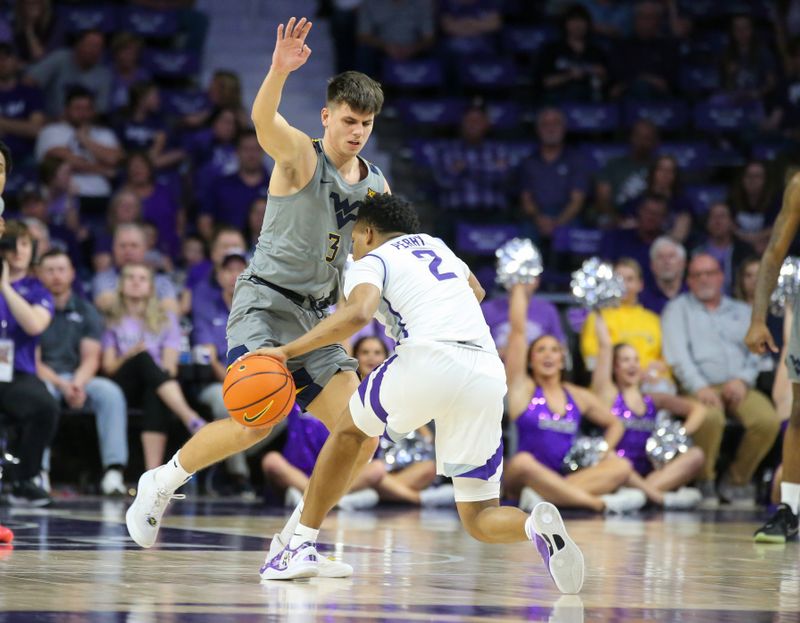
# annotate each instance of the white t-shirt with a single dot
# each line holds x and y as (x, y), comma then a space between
(425, 292)
(63, 135)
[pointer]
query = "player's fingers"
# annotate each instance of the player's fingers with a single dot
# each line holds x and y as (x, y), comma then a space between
(290, 27)
(771, 344)
(306, 30)
(280, 33)
(298, 29)
(306, 51)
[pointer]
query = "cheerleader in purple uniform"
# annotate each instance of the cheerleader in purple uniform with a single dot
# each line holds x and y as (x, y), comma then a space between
(616, 380)
(547, 414)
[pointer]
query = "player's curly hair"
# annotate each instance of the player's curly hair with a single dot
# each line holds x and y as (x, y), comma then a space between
(388, 213)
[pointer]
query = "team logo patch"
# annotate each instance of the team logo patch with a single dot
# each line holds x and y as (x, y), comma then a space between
(346, 212)
(371, 193)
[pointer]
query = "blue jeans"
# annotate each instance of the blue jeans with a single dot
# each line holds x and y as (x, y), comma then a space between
(106, 399)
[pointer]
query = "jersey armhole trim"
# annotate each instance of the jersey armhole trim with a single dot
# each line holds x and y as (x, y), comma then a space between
(385, 269)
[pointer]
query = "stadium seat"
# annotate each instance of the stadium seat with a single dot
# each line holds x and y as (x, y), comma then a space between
(701, 196)
(527, 40)
(496, 73)
(668, 115)
(89, 17)
(699, 80)
(172, 63)
(484, 238)
(691, 156)
(598, 154)
(149, 23)
(431, 112)
(184, 102)
(767, 151)
(504, 115)
(591, 118)
(414, 74)
(470, 46)
(716, 117)
(577, 240)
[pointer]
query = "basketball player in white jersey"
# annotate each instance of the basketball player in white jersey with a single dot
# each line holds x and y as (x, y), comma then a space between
(445, 365)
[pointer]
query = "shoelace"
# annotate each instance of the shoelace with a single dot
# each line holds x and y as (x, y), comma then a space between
(162, 499)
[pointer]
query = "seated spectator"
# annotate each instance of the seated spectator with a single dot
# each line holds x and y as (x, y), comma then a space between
(470, 19)
(633, 325)
(647, 63)
(651, 222)
(624, 179)
(60, 193)
(547, 413)
(721, 243)
(21, 107)
(210, 321)
(783, 107)
(69, 363)
(664, 179)
(129, 248)
(193, 253)
(474, 172)
(124, 208)
(140, 353)
(92, 151)
(143, 127)
(201, 276)
(224, 93)
(755, 202)
(708, 356)
(668, 265)
(396, 30)
(33, 211)
(213, 151)
(65, 69)
(747, 68)
(126, 50)
(36, 31)
(573, 68)
(542, 318)
(555, 180)
(159, 204)
(255, 221)
(229, 198)
(617, 381)
(26, 309)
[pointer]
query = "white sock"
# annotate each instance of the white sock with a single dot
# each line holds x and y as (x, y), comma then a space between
(294, 521)
(529, 528)
(303, 534)
(171, 475)
(790, 494)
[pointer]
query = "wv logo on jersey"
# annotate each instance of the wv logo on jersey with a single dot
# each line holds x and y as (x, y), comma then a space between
(345, 211)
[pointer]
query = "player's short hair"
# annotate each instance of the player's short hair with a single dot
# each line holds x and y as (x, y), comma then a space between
(357, 90)
(389, 213)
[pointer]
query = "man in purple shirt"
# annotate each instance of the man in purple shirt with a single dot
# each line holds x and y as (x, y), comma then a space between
(21, 107)
(668, 265)
(230, 197)
(543, 319)
(26, 308)
(555, 180)
(201, 276)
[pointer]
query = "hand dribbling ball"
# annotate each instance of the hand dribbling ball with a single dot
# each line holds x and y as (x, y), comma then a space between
(258, 391)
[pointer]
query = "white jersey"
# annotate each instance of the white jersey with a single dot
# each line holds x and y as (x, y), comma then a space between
(425, 292)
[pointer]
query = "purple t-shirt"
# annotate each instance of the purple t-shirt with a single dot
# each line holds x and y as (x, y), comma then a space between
(161, 209)
(229, 199)
(552, 183)
(18, 104)
(35, 293)
(210, 318)
(201, 271)
(130, 331)
(542, 319)
(654, 299)
(619, 243)
(140, 135)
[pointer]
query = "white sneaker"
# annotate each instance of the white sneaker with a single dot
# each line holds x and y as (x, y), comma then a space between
(528, 498)
(366, 498)
(624, 500)
(113, 483)
(291, 564)
(434, 497)
(563, 559)
(685, 498)
(326, 567)
(144, 515)
(292, 497)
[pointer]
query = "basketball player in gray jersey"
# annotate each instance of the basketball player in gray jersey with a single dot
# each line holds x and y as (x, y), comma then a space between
(315, 192)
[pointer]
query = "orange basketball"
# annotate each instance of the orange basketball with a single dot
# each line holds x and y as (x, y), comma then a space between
(258, 391)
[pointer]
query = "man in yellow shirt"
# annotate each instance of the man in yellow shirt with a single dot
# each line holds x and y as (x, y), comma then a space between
(630, 323)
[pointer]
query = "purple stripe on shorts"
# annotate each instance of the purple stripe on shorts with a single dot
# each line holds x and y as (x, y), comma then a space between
(487, 470)
(362, 390)
(374, 393)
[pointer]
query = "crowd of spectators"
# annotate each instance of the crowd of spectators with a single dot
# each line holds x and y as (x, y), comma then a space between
(653, 133)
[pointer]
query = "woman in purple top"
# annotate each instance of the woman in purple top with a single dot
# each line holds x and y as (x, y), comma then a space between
(547, 414)
(140, 352)
(616, 380)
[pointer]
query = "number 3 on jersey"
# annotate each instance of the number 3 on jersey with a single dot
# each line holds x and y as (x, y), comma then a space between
(334, 241)
(434, 264)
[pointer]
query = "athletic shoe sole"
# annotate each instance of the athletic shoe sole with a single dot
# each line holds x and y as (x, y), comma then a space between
(296, 572)
(566, 561)
(133, 527)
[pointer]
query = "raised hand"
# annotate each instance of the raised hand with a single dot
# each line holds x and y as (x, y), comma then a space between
(291, 51)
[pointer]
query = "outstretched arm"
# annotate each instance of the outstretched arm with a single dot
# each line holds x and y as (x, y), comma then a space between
(285, 144)
(758, 337)
(602, 374)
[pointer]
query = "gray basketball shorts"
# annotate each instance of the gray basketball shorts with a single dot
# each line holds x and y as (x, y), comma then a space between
(793, 350)
(262, 317)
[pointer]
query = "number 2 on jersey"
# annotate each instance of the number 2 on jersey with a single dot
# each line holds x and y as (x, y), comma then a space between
(434, 264)
(333, 247)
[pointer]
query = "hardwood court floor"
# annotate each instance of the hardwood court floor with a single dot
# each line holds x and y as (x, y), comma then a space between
(74, 563)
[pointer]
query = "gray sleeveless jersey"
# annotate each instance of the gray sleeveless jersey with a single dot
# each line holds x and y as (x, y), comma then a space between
(306, 237)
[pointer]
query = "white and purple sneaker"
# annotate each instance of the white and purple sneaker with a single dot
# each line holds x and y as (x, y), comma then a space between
(291, 564)
(563, 559)
(327, 567)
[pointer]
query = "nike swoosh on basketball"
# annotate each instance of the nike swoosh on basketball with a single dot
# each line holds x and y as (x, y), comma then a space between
(249, 419)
